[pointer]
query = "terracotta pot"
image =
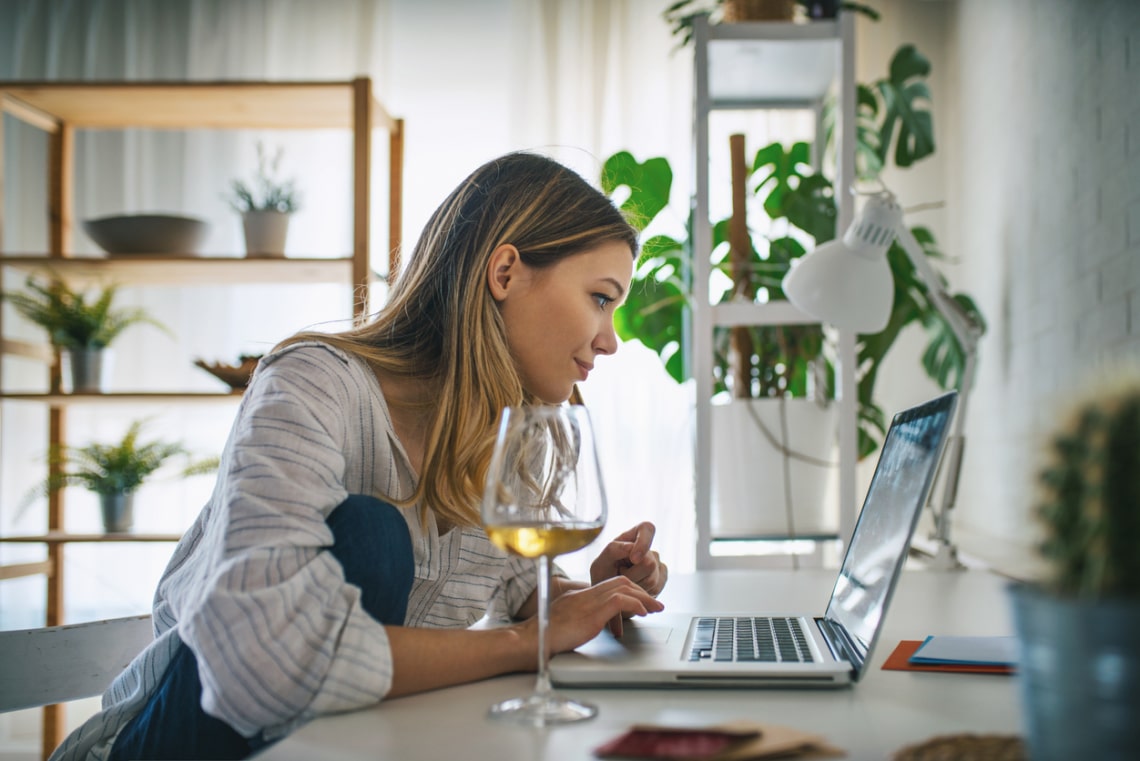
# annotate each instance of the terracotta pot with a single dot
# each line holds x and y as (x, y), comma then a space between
(759, 10)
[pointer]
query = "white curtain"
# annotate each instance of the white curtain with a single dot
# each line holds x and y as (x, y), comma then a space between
(472, 79)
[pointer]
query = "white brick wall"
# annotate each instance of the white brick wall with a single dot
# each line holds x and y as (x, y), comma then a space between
(1041, 140)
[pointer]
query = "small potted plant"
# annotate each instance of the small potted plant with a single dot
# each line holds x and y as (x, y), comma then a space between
(265, 206)
(80, 325)
(681, 13)
(1079, 665)
(115, 471)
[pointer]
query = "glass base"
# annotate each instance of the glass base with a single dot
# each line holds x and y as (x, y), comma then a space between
(542, 710)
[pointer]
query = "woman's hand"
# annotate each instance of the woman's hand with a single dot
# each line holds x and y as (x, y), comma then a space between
(629, 555)
(577, 616)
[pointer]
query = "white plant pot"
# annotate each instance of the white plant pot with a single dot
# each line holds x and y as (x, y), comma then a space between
(749, 493)
(89, 370)
(265, 233)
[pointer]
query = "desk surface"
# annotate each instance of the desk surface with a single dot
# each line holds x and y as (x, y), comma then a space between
(882, 713)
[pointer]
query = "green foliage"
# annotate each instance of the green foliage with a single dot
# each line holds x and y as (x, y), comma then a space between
(118, 468)
(267, 192)
(790, 359)
(655, 309)
(902, 93)
(653, 178)
(899, 102)
(680, 14)
(1089, 501)
(72, 319)
(784, 171)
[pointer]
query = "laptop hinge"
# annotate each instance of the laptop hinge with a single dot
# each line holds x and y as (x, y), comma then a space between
(842, 646)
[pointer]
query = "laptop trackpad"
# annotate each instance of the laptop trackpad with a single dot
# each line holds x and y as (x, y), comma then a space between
(636, 638)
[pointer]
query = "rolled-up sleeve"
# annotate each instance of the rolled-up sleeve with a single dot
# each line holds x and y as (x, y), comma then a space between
(278, 632)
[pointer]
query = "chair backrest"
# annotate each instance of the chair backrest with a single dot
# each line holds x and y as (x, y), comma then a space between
(60, 663)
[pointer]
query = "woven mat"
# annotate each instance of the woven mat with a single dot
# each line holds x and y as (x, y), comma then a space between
(965, 748)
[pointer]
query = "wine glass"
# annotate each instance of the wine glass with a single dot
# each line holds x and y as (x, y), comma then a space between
(544, 497)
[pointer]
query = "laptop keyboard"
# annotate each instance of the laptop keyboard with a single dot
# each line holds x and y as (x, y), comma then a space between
(757, 639)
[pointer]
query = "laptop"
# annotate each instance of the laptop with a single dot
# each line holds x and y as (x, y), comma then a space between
(798, 648)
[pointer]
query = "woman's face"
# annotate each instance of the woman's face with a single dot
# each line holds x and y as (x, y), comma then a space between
(560, 318)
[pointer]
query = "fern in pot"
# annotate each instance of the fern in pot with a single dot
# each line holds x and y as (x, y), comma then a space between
(115, 471)
(80, 325)
(1080, 667)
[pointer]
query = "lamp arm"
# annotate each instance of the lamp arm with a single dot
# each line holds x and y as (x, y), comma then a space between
(968, 332)
(965, 328)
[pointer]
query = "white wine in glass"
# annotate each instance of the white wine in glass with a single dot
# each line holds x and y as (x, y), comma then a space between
(544, 497)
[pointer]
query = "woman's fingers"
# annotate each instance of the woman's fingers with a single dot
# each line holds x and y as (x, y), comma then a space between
(629, 555)
(576, 617)
(650, 574)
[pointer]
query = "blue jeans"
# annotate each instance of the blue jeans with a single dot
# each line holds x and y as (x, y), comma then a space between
(371, 542)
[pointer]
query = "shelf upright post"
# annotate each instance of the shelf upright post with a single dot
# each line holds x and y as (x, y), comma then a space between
(361, 193)
(845, 199)
(702, 322)
(395, 198)
(61, 168)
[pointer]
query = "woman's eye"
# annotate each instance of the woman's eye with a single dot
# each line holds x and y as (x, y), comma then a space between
(603, 300)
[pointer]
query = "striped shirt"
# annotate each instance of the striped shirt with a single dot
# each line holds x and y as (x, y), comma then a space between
(280, 637)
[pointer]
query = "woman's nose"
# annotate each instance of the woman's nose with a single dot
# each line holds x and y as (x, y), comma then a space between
(607, 341)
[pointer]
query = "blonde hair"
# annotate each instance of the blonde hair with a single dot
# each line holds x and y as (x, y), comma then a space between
(442, 327)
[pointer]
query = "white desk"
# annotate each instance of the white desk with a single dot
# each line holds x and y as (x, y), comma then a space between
(883, 712)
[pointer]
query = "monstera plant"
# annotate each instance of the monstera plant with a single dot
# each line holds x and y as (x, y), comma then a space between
(894, 124)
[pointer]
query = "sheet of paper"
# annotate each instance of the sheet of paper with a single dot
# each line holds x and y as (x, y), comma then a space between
(974, 650)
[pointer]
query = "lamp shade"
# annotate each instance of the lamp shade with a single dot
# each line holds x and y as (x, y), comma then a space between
(848, 282)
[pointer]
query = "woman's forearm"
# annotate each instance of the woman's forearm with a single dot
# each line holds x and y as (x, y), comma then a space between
(426, 659)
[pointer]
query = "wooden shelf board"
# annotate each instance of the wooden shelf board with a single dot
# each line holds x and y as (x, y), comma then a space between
(188, 270)
(26, 349)
(62, 537)
(20, 570)
(123, 397)
(189, 105)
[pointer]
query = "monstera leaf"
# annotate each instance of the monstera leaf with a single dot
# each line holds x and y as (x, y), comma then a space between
(902, 107)
(654, 310)
(783, 173)
(811, 207)
(649, 184)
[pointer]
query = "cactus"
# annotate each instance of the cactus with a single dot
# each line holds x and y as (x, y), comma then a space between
(1090, 497)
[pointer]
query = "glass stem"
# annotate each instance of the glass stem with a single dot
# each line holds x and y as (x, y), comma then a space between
(542, 684)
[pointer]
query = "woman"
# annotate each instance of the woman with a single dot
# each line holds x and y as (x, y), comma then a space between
(340, 560)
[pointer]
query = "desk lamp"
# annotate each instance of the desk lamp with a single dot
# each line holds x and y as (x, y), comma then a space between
(848, 284)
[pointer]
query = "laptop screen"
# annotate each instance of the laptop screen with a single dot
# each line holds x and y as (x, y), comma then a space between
(898, 490)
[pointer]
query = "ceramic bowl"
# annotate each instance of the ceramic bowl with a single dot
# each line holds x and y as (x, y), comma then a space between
(135, 234)
(234, 376)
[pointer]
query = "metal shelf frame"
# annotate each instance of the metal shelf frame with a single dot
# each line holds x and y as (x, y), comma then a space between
(766, 65)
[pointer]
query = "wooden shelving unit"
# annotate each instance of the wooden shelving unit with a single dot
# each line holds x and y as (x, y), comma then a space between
(60, 109)
(193, 270)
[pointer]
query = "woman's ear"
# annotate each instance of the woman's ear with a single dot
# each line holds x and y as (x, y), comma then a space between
(502, 269)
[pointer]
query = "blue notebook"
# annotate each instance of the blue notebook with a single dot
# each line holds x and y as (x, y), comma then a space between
(967, 651)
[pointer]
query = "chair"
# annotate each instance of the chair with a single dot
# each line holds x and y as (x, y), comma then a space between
(43, 667)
